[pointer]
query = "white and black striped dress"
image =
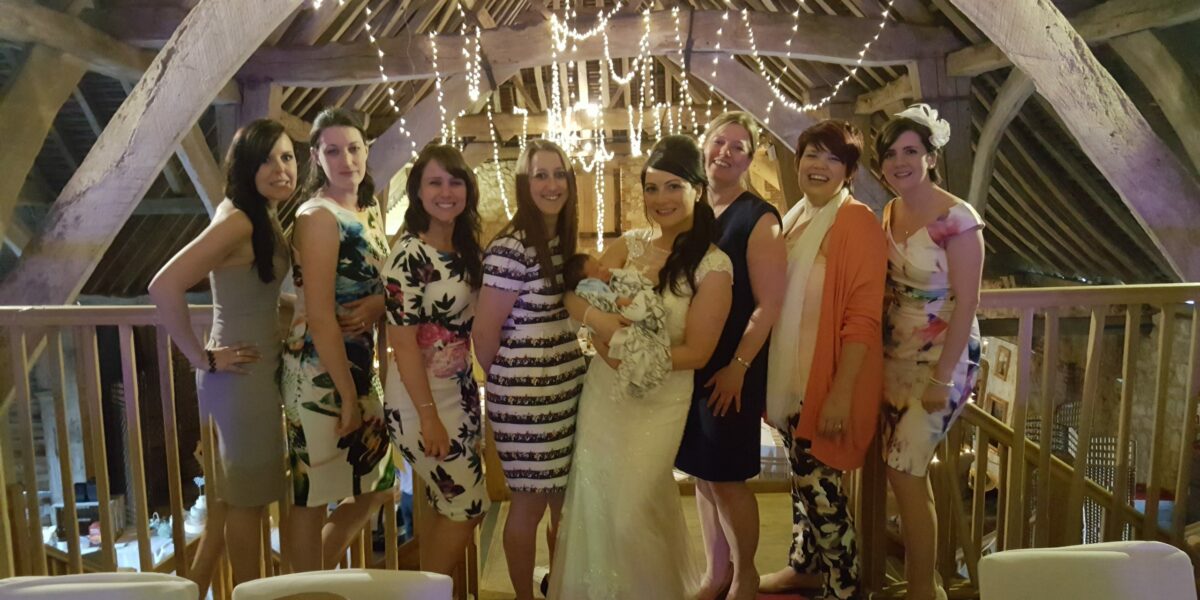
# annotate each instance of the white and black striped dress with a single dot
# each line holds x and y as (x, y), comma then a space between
(535, 380)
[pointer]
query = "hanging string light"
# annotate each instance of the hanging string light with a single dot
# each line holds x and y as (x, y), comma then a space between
(383, 77)
(496, 164)
(772, 82)
(437, 84)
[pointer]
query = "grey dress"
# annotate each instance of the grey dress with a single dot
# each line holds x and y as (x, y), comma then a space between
(246, 408)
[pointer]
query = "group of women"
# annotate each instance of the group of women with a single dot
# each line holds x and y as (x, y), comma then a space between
(731, 273)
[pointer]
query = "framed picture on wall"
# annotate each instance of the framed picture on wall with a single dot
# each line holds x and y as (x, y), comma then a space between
(997, 407)
(1003, 358)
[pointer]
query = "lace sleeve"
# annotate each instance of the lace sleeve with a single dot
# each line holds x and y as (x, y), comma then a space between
(715, 261)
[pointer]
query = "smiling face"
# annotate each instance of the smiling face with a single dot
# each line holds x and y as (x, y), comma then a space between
(548, 182)
(342, 156)
(276, 176)
(443, 194)
(820, 173)
(670, 200)
(727, 154)
(906, 164)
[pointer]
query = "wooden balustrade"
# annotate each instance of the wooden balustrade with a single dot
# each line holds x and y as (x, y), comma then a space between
(1036, 488)
(1033, 487)
(36, 337)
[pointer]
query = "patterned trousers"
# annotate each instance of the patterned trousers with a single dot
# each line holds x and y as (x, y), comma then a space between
(823, 537)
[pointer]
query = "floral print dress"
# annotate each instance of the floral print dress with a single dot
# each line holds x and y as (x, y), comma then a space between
(428, 289)
(920, 302)
(327, 468)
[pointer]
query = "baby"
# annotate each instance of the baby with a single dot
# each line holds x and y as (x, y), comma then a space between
(644, 347)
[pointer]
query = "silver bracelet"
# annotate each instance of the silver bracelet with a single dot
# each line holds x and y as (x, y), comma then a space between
(936, 381)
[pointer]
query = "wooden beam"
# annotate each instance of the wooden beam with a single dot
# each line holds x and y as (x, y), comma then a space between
(825, 38)
(27, 22)
(1096, 25)
(1012, 96)
(1159, 191)
(1167, 81)
(27, 112)
(202, 168)
(899, 90)
(176, 89)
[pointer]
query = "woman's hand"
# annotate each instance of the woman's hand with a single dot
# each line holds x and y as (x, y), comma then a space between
(228, 359)
(605, 324)
(726, 387)
(936, 397)
(835, 415)
(602, 352)
(433, 434)
(350, 419)
(359, 316)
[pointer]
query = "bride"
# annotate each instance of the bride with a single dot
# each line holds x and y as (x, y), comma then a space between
(623, 534)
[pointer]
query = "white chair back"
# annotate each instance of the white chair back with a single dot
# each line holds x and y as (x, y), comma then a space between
(349, 584)
(1108, 571)
(99, 586)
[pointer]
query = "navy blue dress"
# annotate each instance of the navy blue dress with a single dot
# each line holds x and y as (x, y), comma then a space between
(727, 448)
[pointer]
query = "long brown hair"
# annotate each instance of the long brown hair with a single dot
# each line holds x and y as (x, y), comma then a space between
(528, 218)
(251, 148)
(466, 225)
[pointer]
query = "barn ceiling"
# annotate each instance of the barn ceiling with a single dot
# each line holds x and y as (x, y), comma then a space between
(1051, 215)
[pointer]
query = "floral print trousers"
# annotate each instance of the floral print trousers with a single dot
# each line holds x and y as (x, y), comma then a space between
(823, 536)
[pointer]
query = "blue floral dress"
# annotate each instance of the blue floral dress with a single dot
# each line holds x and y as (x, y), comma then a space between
(326, 468)
(920, 302)
(428, 289)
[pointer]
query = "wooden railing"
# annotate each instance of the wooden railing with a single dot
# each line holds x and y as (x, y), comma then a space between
(44, 335)
(1039, 497)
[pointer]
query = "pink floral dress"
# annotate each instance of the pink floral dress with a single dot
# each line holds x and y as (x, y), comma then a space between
(428, 289)
(919, 304)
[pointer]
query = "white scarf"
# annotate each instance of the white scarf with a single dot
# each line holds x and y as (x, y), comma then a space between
(786, 381)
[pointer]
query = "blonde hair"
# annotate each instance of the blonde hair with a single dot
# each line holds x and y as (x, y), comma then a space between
(736, 117)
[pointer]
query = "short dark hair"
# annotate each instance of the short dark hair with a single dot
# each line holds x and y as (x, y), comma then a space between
(892, 130)
(572, 270)
(840, 138)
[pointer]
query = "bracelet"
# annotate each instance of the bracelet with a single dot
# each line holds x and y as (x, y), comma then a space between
(585, 314)
(212, 361)
(936, 381)
(741, 361)
(427, 404)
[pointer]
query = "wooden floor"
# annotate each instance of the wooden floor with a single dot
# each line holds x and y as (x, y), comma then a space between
(775, 514)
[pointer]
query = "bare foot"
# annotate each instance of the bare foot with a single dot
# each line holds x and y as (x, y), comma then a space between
(745, 587)
(713, 587)
(788, 580)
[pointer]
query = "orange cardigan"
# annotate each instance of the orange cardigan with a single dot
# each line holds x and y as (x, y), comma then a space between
(851, 311)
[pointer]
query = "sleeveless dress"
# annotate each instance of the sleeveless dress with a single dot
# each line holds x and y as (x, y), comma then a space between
(326, 468)
(914, 332)
(245, 408)
(727, 448)
(428, 289)
(534, 382)
(623, 535)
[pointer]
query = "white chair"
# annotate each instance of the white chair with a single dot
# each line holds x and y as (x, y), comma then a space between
(99, 586)
(349, 584)
(1108, 571)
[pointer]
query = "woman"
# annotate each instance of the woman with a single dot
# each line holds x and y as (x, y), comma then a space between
(530, 352)
(721, 441)
(624, 536)
(824, 371)
(931, 336)
(436, 268)
(337, 436)
(244, 255)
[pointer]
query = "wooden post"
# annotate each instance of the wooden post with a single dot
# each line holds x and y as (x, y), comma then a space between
(1049, 378)
(166, 391)
(1091, 383)
(1113, 524)
(133, 446)
(1014, 492)
(1016, 89)
(1166, 326)
(64, 452)
(20, 373)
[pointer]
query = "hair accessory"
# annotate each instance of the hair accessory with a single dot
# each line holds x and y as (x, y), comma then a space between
(939, 129)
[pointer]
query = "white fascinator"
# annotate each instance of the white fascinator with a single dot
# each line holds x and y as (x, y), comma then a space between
(928, 116)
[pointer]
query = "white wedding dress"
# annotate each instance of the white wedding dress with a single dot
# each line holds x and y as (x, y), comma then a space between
(623, 535)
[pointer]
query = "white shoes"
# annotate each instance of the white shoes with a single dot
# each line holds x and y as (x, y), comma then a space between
(541, 579)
